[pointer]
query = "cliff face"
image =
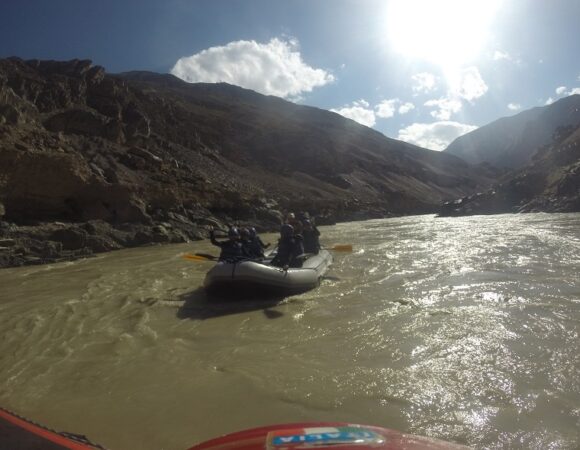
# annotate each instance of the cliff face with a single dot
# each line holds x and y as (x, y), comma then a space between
(511, 142)
(91, 161)
(550, 183)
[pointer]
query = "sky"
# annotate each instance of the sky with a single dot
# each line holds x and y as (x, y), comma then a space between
(423, 71)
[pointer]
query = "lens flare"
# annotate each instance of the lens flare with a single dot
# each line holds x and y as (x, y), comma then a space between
(449, 33)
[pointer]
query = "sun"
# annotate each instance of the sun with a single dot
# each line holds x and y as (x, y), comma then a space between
(449, 33)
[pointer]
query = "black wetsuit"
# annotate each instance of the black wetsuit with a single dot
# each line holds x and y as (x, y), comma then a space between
(311, 242)
(289, 248)
(231, 250)
(256, 247)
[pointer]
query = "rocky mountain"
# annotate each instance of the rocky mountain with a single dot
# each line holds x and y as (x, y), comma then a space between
(91, 162)
(510, 142)
(550, 183)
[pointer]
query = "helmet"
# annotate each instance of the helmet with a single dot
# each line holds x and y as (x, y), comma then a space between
(306, 223)
(233, 232)
(286, 230)
(290, 216)
(252, 232)
(244, 232)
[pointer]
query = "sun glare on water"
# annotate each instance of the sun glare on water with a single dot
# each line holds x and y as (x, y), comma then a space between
(449, 33)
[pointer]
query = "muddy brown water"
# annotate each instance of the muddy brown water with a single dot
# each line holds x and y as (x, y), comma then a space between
(465, 329)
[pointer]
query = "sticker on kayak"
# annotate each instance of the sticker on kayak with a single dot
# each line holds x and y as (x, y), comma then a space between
(322, 436)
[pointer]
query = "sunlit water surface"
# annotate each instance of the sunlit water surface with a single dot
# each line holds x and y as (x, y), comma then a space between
(464, 329)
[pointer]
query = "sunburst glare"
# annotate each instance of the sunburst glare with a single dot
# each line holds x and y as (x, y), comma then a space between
(449, 33)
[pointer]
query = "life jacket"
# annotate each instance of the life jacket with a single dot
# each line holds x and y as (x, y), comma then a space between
(311, 242)
(289, 248)
(256, 247)
(230, 250)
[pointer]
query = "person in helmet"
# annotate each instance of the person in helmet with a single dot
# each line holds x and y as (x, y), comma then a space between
(244, 235)
(255, 246)
(290, 248)
(232, 249)
(296, 224)
(302, 216)
(311, 237)
(246, 241)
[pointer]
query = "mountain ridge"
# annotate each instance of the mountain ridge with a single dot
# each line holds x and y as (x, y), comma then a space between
(510, 142)
(92, 161)
(550, 183)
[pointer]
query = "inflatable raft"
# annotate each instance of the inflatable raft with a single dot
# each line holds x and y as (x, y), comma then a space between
(324, 435)
(18, 433)
(260, 276)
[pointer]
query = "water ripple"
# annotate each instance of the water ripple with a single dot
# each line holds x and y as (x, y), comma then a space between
(465, 329)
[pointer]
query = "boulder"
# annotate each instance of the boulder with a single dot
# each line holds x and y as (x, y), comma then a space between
(157, 234)
(147, 155)
(70, 238)
(51, 249)
(7, 242)
(99, 244)
(136, 123)
(78, 121)
(10, 115)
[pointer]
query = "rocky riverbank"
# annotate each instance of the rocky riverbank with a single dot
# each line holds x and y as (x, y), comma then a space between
(50, 242)
(59, 241)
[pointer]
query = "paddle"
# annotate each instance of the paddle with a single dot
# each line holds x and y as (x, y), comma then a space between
(199, 257)
(340, 248)
(208, 256)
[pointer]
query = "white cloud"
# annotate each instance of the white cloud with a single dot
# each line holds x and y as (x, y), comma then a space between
(362, 112)
(387, 108)
(514, 106)
(358, 111)
(498, 55)
(562, 91)
(424, 82)
(406, 107)
(275, 68)
(467, 85)
(436, 136)
(470, 85)
(446, 105)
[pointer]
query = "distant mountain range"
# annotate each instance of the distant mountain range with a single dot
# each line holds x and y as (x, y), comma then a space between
(510, 142)
(92, 162)
(550, 182)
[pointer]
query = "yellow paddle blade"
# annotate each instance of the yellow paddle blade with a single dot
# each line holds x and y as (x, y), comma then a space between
(191, 257)
(342, 248)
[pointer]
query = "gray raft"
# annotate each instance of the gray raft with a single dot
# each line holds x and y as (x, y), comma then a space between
(255, 276)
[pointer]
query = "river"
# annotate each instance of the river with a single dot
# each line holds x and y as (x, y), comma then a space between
(465, 329)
